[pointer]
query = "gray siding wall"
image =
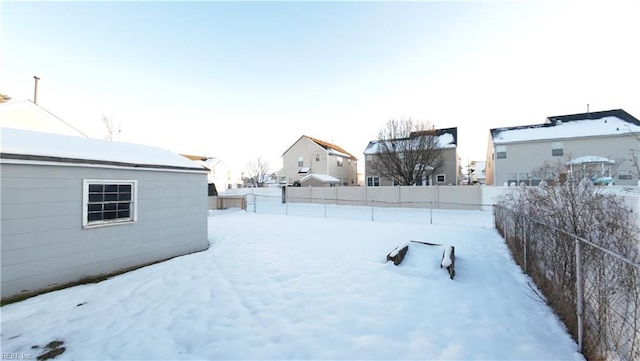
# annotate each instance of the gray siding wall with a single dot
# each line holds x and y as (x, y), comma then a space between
(527, 156)
(43, 242)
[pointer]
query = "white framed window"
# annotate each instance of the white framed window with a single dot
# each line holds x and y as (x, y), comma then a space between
(501, 152)
(625, 174)
(441, 178)
(339, 161)
(108, 202)
(373, 181)
(300, 161)
(557, 149)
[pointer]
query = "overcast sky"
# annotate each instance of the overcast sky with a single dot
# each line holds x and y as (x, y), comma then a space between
(239, 80)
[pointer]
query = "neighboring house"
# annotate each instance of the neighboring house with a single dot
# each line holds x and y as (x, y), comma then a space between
(219, 173)
(319, 180)
(313, 156)
(76, 207)
(25, 114)
(278, 179)
(479, 175)
(447, 139)
(514, 152)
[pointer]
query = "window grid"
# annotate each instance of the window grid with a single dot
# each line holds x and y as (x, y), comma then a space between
(108, 202)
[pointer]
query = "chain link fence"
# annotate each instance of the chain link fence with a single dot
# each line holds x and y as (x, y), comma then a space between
(594, 290)
(441, 213)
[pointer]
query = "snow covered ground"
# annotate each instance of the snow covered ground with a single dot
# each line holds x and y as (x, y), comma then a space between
(276, 286)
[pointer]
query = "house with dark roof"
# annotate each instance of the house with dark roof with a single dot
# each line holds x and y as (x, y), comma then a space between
(309, 155)
(447, 139)
(513, 153)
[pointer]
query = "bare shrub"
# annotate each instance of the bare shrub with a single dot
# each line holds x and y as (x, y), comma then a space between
(542, 225)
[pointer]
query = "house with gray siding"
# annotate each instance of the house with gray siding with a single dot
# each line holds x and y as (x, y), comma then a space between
(604, 142)
(73, 207)
(309, 155)
(447, 139)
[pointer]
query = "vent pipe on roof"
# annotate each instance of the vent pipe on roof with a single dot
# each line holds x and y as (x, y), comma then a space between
(35, 90)
(588, 114)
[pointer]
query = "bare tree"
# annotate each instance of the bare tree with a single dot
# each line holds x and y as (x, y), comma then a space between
(4, 98)
(258, 171)
(113, 130)
(541, 233)
(408, 151)
(635, 153)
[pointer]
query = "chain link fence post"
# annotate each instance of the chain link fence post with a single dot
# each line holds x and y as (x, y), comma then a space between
(372, 212)
(524, 242)
(431, 213)
(579, 293)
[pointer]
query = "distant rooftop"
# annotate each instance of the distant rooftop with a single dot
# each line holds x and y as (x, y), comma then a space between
(592, 124)
(329, 147)
(25, 114)
(447, 138)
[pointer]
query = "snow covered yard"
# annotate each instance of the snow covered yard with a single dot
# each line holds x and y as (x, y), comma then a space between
(293, 287)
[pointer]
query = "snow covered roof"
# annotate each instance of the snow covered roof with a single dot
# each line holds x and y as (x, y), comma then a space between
(605, 123)
(25, 114)
(39, 146)
(331, 149)
(325, 178)
(447, 138)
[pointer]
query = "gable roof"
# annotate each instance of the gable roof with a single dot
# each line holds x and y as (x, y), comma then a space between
(447, 138)
(20, 144)
(25, 114)
(324, 178)
(603, 123)
(618, 113)
(329, 147)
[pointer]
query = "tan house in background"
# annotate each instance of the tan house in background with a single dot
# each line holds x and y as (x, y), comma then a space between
(447, 139)
(309, 156)
(601, 141)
